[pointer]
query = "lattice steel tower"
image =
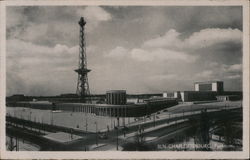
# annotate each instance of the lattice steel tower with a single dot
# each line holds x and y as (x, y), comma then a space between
(82, 83)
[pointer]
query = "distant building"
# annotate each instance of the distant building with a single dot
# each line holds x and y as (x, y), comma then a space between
(205, 91)
(168, 95)
(189, 96)
(116, 97)
(16, 97)
(228, 97)
(177, 95)
(69, 95)
(134, 100)
(216, 86)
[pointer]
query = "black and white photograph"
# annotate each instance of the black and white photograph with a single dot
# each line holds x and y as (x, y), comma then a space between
(125, 78)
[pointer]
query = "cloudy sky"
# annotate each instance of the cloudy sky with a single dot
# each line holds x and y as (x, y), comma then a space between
(140, 49)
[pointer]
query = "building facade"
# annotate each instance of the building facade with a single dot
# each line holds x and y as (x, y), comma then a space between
(116, 97)
(128, 110)
(189, 96)
(215, 86)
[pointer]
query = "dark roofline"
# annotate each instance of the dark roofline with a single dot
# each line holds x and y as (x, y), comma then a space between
(191, 91)
(116, 91)
(208, 82)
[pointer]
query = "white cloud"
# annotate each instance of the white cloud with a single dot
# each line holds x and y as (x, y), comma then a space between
(202, 39)
(22, 49)
(220, 72)
(234, 76)
(141, 55)
(30, 60)
(164, 77)
(211, 36)
(14, 17)
(34, 31)
(213, 64)
(94, 15)
(206, 74)
(63, 49)
(170, 39)
(118, 52)
(230, 69)
(235, 68)
(158, 49)
(50, 28)
(161, 54)
(26, 49)
(91, 48)
(37, 65)
(146, 54)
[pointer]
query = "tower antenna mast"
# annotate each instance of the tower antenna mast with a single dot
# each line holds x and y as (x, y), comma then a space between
(82, 84)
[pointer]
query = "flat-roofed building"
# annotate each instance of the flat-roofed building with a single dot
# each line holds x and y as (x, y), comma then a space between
(172, 94)
(168, 94)
(116, 97)
(189, 96)
(215, 86)
(228, 97)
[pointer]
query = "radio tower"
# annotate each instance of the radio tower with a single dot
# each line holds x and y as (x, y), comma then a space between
(82, 83)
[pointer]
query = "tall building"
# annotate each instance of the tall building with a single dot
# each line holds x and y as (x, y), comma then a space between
(216, 86)
(116, 97)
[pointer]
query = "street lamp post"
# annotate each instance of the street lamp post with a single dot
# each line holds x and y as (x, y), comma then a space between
(30, 115)
(51, 117)
(30, 121)
(128, 121)
(154, 120)
(116, 128)
(110, 119)
(169, 118)
(192, 112)
(17, 144)
(96, 137)
(183, 113)
(175, 119)
(86, 125)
